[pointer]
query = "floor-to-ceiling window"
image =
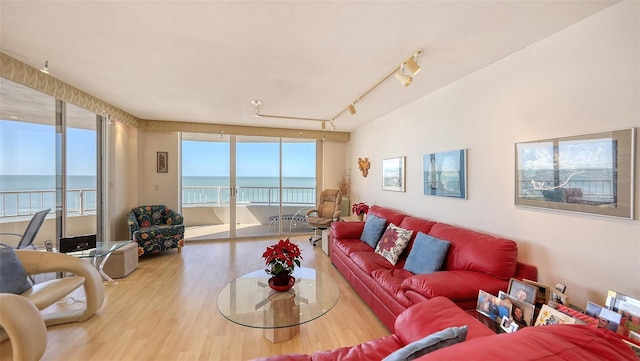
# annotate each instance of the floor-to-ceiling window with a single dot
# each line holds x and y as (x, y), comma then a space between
(81, 170)
(36, 131)
(246, 186)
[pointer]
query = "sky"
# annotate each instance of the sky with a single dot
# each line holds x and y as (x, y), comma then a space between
(29, 149)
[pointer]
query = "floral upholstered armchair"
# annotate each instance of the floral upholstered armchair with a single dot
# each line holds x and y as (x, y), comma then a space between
(156, 228)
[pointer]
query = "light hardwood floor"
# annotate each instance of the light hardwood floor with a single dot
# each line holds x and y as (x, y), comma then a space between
(166, 310)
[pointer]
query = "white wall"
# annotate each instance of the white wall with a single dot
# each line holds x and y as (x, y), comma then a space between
(124, 178)
(333, 163)
(583, 79)
(154, 187)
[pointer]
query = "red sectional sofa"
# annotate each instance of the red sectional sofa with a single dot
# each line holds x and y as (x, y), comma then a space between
(474, 261)
(555, 342)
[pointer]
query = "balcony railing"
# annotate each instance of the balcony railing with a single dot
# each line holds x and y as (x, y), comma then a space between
(83, 201)
(28, 202)
(220, 195)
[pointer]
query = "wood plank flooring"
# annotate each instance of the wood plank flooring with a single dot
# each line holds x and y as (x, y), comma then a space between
(166, 310)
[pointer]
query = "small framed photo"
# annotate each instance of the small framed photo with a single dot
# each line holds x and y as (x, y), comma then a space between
(162, 165)
(559, 297)
(628, 308)
(522, 292)
(550, 316)
(393, 174)
(607, 318)
(521, 311)
(544, 292)
(493, 307)
(507, 325)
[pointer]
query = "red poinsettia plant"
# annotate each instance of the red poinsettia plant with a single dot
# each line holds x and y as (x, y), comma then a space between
(360, 208)
(282, 256)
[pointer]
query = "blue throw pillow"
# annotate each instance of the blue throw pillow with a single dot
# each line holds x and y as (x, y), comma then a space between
(427, 254)
(13, 277)
(373, 228)
(435, 341)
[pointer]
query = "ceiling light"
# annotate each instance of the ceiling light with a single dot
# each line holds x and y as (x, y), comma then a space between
(412, 67)
(404, 78)
(352, 109)
(46, 67)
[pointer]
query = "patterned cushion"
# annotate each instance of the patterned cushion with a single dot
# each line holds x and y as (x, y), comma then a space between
(393, 241)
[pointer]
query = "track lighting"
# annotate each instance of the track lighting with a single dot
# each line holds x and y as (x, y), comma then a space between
(411, 66)
(46, 67)
(403, 72)
(404, 78)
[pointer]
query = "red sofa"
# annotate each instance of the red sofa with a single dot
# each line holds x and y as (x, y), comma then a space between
(555, 342)
(474, 261)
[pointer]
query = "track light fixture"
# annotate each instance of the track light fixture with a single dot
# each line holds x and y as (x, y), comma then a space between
(409, 66)
(404, 78)
(45, 69)
(352, 109)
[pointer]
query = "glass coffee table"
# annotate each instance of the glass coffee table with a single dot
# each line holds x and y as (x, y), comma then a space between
(248, 301)
(98, 255)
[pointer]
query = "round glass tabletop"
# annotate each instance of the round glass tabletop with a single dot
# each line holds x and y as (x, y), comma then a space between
(248, 300)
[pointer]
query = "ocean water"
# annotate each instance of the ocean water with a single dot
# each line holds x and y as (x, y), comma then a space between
(28, 194)
(12, 183)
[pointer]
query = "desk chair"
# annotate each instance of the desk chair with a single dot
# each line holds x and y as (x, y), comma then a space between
(328, 211)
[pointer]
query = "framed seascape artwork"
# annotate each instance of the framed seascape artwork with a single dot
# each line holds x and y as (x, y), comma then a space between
(591, 173)
(445, 174)
(161, 166)
(393, 174)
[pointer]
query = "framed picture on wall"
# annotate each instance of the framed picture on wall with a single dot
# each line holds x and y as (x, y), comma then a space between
(445, 174)
(162, 165)
(592, 173)
(393, 174)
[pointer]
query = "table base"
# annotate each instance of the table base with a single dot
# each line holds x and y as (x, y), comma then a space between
(282, 311)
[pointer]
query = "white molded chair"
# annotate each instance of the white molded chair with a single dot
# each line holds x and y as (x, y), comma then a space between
(24, 326)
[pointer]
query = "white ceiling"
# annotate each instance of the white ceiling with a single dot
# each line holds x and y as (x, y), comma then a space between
(204, 61)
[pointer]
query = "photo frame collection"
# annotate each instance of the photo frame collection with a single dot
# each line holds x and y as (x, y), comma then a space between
(554, 173)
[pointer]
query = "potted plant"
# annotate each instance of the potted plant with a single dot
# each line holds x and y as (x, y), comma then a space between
(281, 258)
(360, 209)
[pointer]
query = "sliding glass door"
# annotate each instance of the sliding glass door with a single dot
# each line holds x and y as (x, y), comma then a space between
(245, 186)
(47, 148)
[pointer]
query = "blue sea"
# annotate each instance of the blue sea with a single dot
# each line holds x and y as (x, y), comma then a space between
(27, 194)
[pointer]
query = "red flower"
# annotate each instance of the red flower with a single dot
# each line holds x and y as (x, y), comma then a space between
(360, 208)
(282, 256)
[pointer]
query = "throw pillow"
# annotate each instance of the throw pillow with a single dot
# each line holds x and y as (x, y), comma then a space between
(393, 242)
(13, 276)
(447, 337)
(373, 228)
(427, 254)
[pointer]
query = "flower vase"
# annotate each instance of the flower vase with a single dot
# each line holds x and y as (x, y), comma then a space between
(361, 217)
(282, 282)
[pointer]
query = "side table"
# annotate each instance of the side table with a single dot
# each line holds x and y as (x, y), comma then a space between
(325, 241)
